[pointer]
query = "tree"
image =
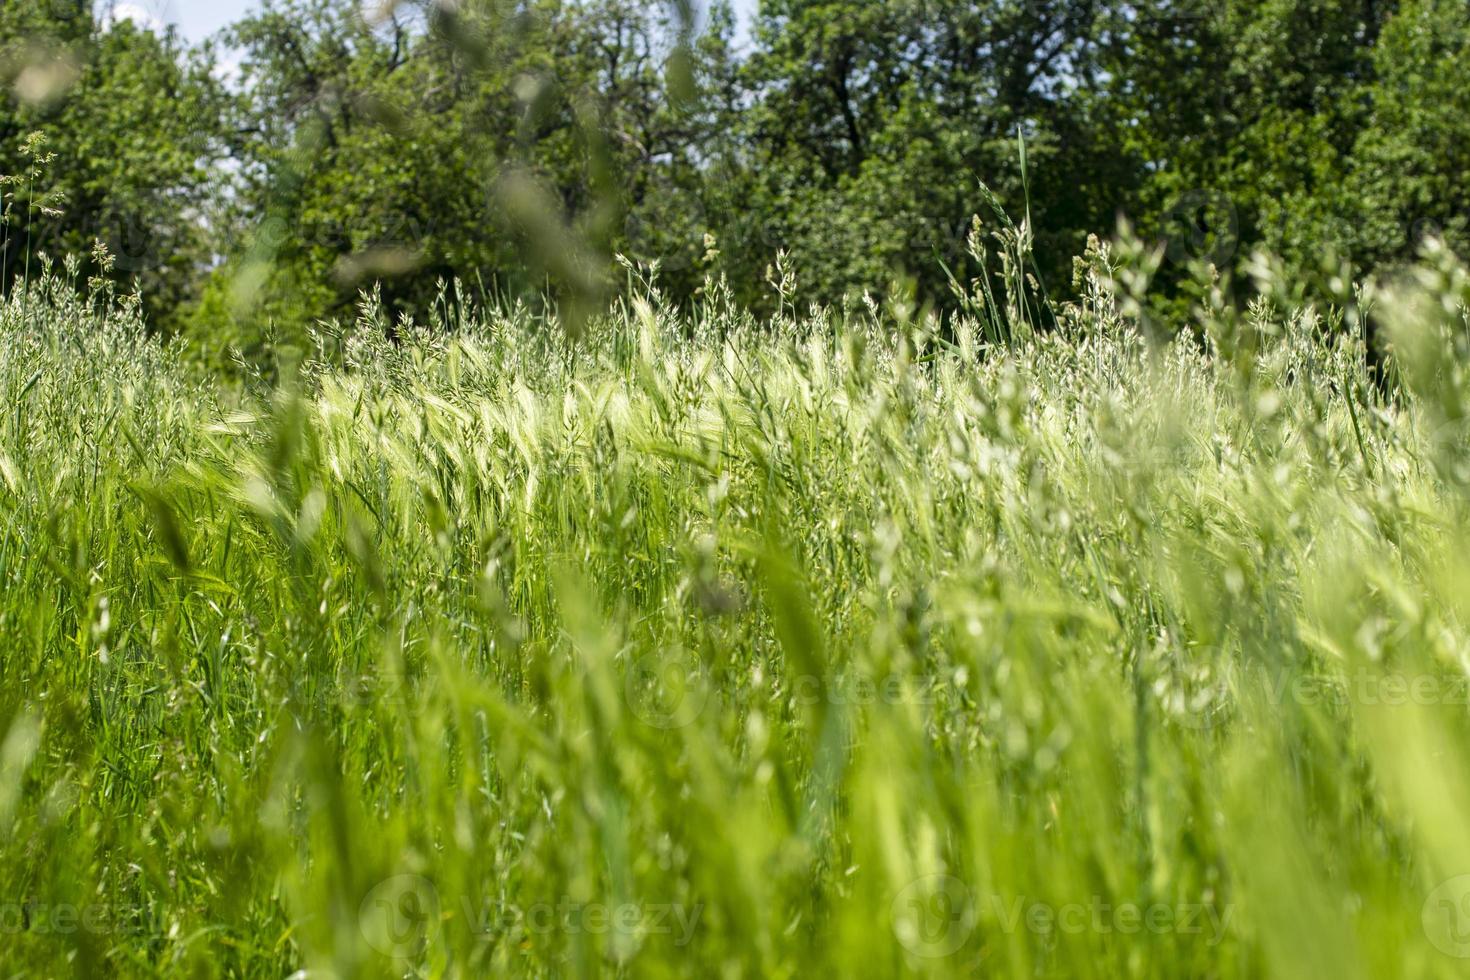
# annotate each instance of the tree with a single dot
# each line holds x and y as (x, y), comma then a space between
(1408, 171)
(130, 118)
(874, 124)
(1241, 112)
(511, 146)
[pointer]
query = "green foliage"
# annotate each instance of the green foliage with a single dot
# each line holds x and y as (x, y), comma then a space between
(131, 120)
(874, 124)
(730, 620)
(516, 148)
(1408, 166)
(1253, 106)
(819, 647)
(511, 147)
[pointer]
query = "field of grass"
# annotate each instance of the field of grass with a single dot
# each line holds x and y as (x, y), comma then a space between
(702, 647)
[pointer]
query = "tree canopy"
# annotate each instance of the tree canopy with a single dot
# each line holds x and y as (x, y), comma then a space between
(517, 146)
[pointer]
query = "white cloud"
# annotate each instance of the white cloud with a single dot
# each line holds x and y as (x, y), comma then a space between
(153, 16)
(228, 69)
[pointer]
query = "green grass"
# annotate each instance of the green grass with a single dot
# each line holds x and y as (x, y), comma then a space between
(702, 647)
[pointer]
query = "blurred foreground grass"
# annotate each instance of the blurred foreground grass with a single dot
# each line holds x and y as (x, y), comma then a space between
(698, 647)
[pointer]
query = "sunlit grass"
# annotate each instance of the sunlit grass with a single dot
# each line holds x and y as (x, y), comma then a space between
(824, 647)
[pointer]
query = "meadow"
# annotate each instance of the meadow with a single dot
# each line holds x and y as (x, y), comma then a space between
(826, 644)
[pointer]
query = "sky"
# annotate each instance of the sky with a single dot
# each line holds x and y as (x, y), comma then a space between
(198, 19)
